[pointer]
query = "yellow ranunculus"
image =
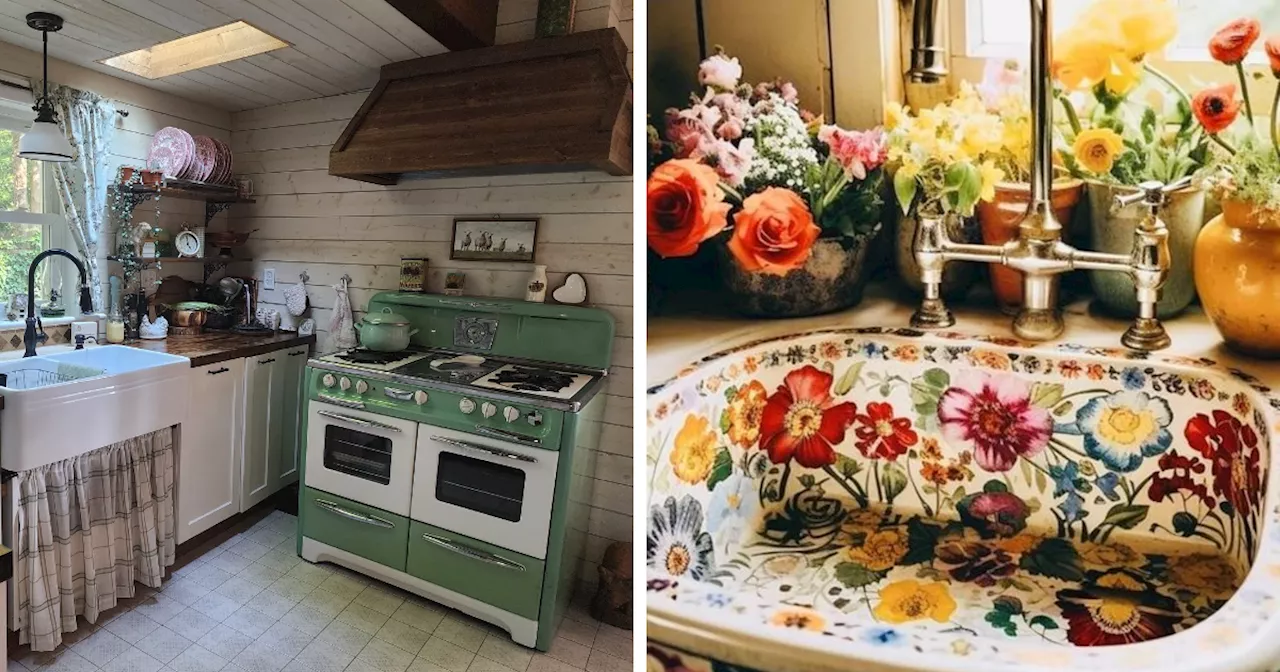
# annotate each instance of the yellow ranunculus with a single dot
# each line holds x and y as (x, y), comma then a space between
(909, 169)
(695, 450)
(911, 600)
(990, 176)
(1096, 149)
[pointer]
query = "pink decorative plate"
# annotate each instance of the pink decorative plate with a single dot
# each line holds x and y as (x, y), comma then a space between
(172, 151)
(206, 157)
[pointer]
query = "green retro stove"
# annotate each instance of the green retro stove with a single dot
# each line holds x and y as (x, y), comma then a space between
(458, 469)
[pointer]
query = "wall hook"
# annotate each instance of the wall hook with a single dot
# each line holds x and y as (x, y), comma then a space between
(304, 277)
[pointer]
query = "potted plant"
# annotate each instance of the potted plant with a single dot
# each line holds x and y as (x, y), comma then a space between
(1127, 123)
(1237, 255)
(789, 204)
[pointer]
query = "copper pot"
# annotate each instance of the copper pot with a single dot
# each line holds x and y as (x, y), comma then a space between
(189, 318)
(1000, 218)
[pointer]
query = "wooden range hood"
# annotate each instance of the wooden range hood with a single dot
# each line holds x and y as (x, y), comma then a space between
(555, 103)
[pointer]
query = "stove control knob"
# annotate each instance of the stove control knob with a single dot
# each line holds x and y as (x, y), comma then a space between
(328, 380)
(488, 409)
(419, 397)
(534, 418)
(511, 414)
(361, 387)
(344, 383)
(467, 406)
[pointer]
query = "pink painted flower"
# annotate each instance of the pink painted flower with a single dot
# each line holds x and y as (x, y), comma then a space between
(858, 151)
(720, 71)
(994, 415)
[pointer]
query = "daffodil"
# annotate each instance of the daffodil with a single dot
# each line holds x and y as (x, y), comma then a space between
(895, 116)
(990, 176)
(1096, 149)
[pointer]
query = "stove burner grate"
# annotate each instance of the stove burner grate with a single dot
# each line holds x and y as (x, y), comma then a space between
(371, 356)
(528, 379)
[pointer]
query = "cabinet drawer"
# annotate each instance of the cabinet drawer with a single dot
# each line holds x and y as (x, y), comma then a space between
(356, 528)
(507, 580)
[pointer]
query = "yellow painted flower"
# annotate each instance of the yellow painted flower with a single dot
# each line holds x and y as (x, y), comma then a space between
(1111, 554)
(1206, 574)
(798, 618)
(745, 411)
(1096, 149)
(880, 551)
(1019, 544)
(695, 450)
(911, 600)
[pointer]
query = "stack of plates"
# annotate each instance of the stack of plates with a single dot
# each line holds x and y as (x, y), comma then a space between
(177, 154)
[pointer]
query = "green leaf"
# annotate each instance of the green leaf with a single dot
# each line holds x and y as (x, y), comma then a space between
(1127, 516)
(1025, 467)
(847, 466)
(1063, 408)
(922, 539)
(724, 421)
(1055, 558)
(938, 379)
(849, 378)
(995, 485)
(721, 468)
(968, 185)
(1046, 395)
(904, 188)
(853, 575)
(1185, 523)
(1002, 620)
(1044, 622)
(894, 481)
(1042, 483)
(730, 392)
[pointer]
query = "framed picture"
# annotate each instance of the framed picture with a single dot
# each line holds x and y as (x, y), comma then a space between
(455, 283)
(413, 274)
(494, 239)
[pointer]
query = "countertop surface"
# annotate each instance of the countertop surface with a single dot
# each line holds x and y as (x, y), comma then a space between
(219, 346)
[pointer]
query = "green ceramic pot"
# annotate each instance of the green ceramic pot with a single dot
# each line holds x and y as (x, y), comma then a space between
(385, 331)
(1112, 231)
(832, 279)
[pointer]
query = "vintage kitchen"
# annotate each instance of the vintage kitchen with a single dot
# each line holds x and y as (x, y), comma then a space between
(317, 332)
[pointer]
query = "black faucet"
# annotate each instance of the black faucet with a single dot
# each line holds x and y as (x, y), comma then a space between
(29, 337)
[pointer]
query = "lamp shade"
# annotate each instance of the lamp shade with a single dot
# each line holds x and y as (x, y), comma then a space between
(44, 142)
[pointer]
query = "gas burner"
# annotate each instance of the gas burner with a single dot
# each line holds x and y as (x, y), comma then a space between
(358, 356)
(530, 379)
(459, 363)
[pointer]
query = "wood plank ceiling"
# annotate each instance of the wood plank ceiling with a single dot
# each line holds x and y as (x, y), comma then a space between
(338, 45)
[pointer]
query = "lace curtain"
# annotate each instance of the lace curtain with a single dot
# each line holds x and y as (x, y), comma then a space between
(86, 529)
(88, 120)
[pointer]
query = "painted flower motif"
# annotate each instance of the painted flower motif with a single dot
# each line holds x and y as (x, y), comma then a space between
(1201, 388)
(1133, 378)
(906, 353)
(1110, 555)
(910, 600)
(1019, 544)
(1232, 450)
(990, 359)
(1204, 574)
(882, 636)
(973, 562)
(881, 550)
(1116, 607)
(1066, 487)
(994, 415)
(802, 421)
(783, 565)
(1240, 404)
(733, 505)
(1095, 371)
(1178, 474)
(745, 412)
(798, 618)
(830, 350)
(994, 514)
(1069, 368)
(676, 544)
(694, 451)
(751, 364)
(1123, 428)
(882, 436)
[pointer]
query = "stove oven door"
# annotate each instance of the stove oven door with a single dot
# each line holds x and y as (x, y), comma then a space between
(491, 490)
(360, 455)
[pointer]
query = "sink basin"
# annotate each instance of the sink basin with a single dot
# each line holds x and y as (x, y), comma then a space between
(884, 499)
(61, 405)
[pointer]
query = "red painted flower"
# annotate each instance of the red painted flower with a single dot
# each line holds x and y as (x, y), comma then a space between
(1116, 607)
(1232, 450)
(802, 421)
(882, 436)
(1178, 474)
(994, 414)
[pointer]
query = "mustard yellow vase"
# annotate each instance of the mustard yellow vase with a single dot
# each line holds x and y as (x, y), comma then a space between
(1237, 270)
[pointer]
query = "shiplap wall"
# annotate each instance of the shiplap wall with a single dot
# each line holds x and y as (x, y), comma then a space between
(306, 220)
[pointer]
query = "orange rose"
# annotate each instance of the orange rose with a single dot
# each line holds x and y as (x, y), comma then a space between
(1216, 108)
(1272, 46)
(686, 207)
(1231, 44)
(773, 233)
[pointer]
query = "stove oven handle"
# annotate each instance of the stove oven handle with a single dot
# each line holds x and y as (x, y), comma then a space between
(473, 553)
(341, 402)
(510, 436)
(496, 452)
(331, 507)
(357, 421)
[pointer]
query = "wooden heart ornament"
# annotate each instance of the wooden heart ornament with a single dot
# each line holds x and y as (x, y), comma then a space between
(573, 291)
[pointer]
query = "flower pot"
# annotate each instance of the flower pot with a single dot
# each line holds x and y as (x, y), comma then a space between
(999, 219)
(126, 174)
(957, 278)
(831, 279)
(151, 178)
(1112, 231)
(1237, 272)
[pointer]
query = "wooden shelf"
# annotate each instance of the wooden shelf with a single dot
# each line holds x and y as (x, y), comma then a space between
(189, 189)
(203, 260)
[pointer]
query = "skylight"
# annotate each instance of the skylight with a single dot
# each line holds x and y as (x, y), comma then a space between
(214, 46)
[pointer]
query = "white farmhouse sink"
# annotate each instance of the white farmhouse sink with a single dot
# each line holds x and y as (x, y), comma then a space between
(61, 405)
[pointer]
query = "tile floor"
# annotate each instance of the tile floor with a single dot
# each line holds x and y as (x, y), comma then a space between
(252, 605)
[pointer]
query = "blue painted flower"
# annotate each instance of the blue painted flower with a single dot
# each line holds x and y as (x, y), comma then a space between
(874, 350)
(1107, 483)
(718, 600)
(1124, 428)
(1133, 378)
(733, 505)
(882, 636)
(1066, 484)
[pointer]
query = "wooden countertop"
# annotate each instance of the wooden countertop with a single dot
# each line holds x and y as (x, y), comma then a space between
(219, 346)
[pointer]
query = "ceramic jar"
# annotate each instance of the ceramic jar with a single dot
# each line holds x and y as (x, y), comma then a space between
(958, 278)
(832, 279)
(999, 220)
(1237, 273)
(1112, 231)
(536, 289)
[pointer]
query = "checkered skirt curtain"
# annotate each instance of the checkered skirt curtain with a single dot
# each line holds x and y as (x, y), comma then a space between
(87, 529)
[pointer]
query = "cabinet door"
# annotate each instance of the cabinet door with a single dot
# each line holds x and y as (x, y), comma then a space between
(209, 448)
(263, 407)
(292, 368)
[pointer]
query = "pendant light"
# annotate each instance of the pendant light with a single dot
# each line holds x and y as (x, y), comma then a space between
(45, 141)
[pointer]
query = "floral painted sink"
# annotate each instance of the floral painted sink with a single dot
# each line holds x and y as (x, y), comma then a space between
(885, 499)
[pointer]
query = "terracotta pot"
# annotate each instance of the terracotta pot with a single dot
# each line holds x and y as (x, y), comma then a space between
(1237, 273)
(1112, 231)
(833, 278)
(151, 178)
(999, 219)
(957, 279)
(126, 174)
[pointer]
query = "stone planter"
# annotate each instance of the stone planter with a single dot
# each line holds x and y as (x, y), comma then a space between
(832, 279)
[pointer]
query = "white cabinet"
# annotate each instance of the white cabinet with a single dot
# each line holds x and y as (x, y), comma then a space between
(209, 451)
(264, 413)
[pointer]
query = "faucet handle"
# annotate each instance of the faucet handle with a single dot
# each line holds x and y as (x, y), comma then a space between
(1151, 193)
